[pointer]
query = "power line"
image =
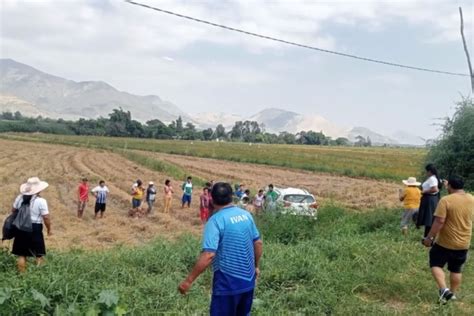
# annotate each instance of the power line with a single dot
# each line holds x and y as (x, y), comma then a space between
(388, 63)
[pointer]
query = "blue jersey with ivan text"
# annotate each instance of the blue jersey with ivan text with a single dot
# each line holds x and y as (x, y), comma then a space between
(231, 233)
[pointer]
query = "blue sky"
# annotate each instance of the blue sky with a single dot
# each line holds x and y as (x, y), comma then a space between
(202, 69)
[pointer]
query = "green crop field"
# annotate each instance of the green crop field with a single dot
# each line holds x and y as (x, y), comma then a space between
(376, 162)
(342, 264)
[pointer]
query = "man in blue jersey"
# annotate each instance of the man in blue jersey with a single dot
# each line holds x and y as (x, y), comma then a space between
(232, 244)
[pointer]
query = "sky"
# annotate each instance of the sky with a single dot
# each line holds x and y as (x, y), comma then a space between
(204, 69)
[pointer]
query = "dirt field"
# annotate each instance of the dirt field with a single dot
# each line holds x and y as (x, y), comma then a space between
(358, 194)
(63, 166)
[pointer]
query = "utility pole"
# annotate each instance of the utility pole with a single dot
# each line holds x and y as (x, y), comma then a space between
(466, 51)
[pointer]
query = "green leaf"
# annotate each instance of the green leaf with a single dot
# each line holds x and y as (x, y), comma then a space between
(109, 298)
(93, 311)
(120, 311)
(37, 296)
(5, 295)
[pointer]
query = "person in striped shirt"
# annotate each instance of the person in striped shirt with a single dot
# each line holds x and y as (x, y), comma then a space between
(100, 192)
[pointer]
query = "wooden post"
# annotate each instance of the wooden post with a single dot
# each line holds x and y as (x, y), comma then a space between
(466, 51)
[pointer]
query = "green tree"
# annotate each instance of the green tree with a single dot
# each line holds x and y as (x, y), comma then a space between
(189, 131)
(368, 143)
(342, 141)
(360, 141)
(179, 126)
(220, 131)
(312, 138)
(17, 116)
(237, 131)
(453, 152)
(8, 116)
(287, 138)
(207, 134)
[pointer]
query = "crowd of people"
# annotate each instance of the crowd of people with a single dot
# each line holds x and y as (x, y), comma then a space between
(143, 199)
(447, 225)
(231, 240)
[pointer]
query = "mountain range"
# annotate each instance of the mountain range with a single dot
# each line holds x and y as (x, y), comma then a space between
(33, 92)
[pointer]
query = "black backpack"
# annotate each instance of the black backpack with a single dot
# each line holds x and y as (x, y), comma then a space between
(8, 228)
(23, 219)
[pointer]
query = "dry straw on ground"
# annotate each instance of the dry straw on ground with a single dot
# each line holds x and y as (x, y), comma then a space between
(63, 166)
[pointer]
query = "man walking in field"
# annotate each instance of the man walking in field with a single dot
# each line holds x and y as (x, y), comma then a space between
(187, 192)
(232, 244)
(82, 197)
(100, 192)
(453, 228)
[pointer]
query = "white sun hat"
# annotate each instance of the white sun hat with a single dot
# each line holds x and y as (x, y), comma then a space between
(150, 183)
(33, 186)
(411, 181)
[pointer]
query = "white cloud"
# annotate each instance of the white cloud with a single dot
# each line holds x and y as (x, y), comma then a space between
(143, 51)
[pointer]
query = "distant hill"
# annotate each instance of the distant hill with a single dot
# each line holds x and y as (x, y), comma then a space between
(274, 120)
(407, 138)
(278, 120)
(375, 138)
(64, 98)
(33, 92)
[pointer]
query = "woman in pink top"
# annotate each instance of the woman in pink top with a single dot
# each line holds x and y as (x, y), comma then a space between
(204, 209)
(168, 195)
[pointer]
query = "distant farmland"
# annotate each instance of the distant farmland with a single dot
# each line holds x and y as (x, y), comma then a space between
(374, 162)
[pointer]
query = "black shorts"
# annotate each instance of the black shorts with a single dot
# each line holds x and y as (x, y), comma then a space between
(440, 256)
(99, 207)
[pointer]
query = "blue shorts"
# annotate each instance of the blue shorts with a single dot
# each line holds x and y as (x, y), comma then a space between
(187, 198)
(136, 203)
(232, 305)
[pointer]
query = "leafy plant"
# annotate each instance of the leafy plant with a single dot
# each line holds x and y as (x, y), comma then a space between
(5, 295)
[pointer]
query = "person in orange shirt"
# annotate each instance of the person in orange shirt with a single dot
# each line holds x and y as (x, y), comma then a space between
(411, 197)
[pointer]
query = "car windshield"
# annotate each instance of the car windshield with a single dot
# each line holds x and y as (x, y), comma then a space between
(298, 198)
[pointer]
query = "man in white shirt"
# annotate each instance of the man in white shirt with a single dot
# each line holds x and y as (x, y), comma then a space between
(100, 192)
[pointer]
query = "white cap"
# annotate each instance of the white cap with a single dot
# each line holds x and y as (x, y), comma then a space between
(150, 183)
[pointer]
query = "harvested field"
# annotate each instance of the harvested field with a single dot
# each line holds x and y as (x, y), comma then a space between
(62, 167)
(358, 194)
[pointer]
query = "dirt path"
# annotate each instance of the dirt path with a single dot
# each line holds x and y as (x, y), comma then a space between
(62, 167)
(359, 194)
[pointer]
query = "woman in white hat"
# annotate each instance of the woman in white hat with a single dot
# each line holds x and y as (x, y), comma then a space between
(31, 244)
(410, 196)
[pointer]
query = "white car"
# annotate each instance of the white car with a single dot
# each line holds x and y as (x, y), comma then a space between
(296, 201)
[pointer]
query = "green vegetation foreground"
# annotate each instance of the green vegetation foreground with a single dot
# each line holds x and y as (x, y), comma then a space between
(376, 163)
(342, 264)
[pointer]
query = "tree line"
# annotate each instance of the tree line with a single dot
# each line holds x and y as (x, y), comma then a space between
(453, 152)
(121, 124)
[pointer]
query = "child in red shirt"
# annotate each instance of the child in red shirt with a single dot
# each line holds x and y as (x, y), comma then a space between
(82, 197)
